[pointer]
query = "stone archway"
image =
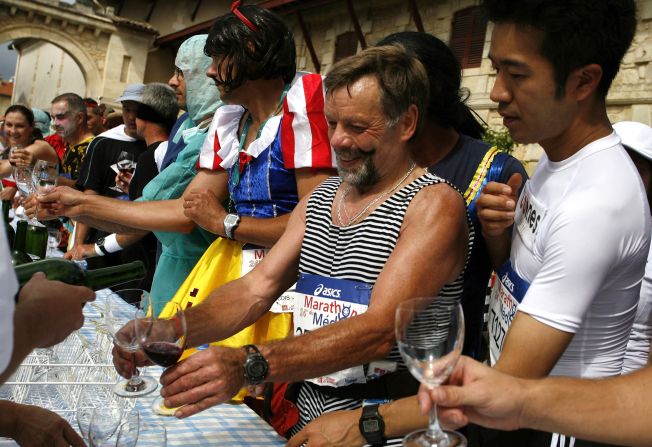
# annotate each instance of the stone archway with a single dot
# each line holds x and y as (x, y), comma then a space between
(87, 64)
(110, 51)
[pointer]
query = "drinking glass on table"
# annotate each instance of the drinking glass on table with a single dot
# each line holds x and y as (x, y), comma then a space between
(430, 335)
(163, 341)
(99, 411)
(128, 431)
(136, 431)
(54, 239)
(138, 305)
(126, 165)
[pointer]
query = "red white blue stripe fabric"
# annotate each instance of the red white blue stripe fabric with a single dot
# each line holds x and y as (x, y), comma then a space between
(304, 132)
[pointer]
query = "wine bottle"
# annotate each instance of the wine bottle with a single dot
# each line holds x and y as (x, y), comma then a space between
(18, 254)
(6, 206)
(69, 272)
(36, 241)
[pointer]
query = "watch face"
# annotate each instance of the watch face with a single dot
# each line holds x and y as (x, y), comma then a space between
(231, 219)
(257, 368)
(370, 425)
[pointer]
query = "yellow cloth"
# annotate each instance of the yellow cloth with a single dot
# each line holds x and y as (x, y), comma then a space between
(220, 264)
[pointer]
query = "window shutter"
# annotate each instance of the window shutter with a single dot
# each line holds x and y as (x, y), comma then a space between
(346, 45)
(468, 35)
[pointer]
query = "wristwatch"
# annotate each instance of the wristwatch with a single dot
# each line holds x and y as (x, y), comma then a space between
(100, 244)
(255, 367)
(372, 425)
(231, 222)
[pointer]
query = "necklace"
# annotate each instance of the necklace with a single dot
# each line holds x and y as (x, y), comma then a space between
(372, 202)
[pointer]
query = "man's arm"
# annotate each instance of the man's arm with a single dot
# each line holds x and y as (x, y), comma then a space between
(46, 312)
(203, 207)
(121, 216)
(81, 229)
(436, 219)
(32, 425)
(613, 411)
(517, 358)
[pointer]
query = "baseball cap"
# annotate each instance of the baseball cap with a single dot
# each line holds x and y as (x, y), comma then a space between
(635, 136)
(133, 92)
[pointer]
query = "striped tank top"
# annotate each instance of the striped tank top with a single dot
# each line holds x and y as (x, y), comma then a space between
(357, 252)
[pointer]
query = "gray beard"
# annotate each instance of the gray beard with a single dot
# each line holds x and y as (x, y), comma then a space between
(366, 175)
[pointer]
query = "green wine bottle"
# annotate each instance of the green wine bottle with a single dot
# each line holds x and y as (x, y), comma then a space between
(18, 254)
(6, 206)
(58, 269)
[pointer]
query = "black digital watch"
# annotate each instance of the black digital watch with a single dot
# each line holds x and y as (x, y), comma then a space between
(372, 426)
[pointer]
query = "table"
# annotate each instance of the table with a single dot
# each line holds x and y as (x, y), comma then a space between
(54, 378)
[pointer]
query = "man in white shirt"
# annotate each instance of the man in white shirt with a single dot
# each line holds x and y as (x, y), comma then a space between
(573, 263)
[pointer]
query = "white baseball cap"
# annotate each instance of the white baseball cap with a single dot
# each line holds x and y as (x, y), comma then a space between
(635, 136)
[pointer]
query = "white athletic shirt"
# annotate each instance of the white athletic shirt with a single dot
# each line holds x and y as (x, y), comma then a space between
(638, 347)
(8, 289)
(585, 257)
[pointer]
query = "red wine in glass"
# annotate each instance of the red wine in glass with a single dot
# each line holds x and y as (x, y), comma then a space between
(126, 166)
(163, 353)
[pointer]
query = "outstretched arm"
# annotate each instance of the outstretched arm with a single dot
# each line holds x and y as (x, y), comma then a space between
(204, 207)
(120, 216)
(435, 218)
(614, 411)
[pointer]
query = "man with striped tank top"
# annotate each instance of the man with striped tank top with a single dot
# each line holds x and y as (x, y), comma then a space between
(357, 245)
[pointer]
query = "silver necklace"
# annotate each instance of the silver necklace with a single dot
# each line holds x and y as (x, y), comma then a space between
(372, 202)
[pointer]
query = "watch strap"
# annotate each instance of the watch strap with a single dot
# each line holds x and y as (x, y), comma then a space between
(372, 425)
(255, 367)
(100, 244)
(229, 228)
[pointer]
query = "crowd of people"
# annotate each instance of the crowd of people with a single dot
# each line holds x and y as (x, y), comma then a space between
(373, 183)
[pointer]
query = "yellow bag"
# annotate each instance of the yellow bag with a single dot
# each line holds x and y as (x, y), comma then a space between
(221, 263)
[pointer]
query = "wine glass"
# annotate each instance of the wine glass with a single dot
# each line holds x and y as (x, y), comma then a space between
(126, 165)
(430, 335)
(23, 179)
(91, 398)
(151, 433)
(128, 432)
(54, 239)
(44, 176)
(163, 341)
(126, 339)
(12, 150)
(104, 422)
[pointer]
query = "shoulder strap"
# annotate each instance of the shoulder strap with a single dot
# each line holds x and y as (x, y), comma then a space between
(489, 170)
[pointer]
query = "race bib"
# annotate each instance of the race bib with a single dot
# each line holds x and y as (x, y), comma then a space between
(530, 212)
(253, 255)
(506, 295)
(320, 301)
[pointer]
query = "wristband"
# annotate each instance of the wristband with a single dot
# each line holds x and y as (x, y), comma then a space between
(111, 243)
(99, 250)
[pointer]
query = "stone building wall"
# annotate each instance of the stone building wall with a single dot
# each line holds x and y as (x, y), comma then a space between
(630, 97)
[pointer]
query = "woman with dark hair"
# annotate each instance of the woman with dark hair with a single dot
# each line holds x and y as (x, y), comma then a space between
(19, 129)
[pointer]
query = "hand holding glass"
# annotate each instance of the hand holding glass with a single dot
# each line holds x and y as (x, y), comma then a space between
(430, 336)
(44, 177)
(126, 165)
(125, 338)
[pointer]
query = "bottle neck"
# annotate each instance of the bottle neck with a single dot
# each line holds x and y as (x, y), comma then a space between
(114, 275)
